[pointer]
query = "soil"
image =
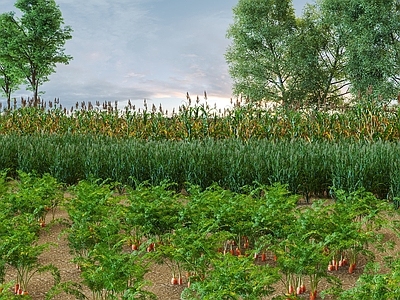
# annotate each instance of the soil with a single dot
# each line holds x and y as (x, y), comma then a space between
(159, 275)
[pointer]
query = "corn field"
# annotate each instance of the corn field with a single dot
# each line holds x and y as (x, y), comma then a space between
(199, 121)
(312, 152)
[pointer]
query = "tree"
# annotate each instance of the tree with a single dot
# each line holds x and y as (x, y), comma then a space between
(316, 62)
(370, 30)
(336, 47)
(34, 43)
(10, 79)
(275, 56)
(10, 75)
(258, 57)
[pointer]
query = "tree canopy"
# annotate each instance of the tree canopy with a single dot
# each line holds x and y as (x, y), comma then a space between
(32, 45)
(336, 48)
(258, 56)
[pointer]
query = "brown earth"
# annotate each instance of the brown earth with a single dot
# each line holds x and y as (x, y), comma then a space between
(159, 275)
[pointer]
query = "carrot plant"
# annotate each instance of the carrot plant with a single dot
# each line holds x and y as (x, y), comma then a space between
(97, 237)
(153, 210)
(375, 284)
(20, 249)
(21, 207)
(95, 217)
(112, 274)
(190, 250)
(7, 293)
(210, 234)
(359, 216)
(44, 193)
(274, 216)
(233, 278)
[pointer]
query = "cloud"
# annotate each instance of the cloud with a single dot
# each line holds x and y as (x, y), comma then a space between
(136, 49)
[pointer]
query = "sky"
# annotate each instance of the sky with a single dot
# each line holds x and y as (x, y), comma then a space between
(156, 50)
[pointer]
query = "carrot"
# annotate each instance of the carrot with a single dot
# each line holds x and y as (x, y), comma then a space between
(330, 267)
(291, 289)
(16, 288)
(298, 290)
(263, 257)
(313, 295)
(351, 268)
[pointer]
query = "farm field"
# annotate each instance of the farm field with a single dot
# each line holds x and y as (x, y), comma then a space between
(261, 243)
(159, 275)
(312, 151)
(61, 257)
(247, 204)
(289, 192)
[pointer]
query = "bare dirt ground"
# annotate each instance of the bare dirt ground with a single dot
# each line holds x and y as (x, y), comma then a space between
(159, 275)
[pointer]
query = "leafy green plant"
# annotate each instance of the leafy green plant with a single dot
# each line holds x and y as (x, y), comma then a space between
(233, 278)
(274, 217)
(20, 250)
(191, 249)
(301, 252)
(94, 216)
(153, 210)
(359, 216)
(36, 195)
(66, 287)
(373, 284)
(112, 274)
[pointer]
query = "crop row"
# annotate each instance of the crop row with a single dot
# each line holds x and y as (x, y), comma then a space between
(221, 244)
(307, 168)
(23, 209)
(362, 122)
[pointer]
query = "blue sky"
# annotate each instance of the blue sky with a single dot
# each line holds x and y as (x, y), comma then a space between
(143, 49)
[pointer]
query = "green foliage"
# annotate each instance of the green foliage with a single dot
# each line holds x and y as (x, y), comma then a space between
(86, 210)
(22, 205)
(316, 63)
(96, 237)
(231, 277)
(33, 44)
(10, 78)
(375, 284)
(258, 56)
(313, 59)
(368, 120)
(110, 274)
(311, 169)
(211, 233)
(155, 209)
(370, 30)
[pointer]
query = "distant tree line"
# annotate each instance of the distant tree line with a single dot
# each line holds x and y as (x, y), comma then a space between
(337, 49)
(31, 46)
